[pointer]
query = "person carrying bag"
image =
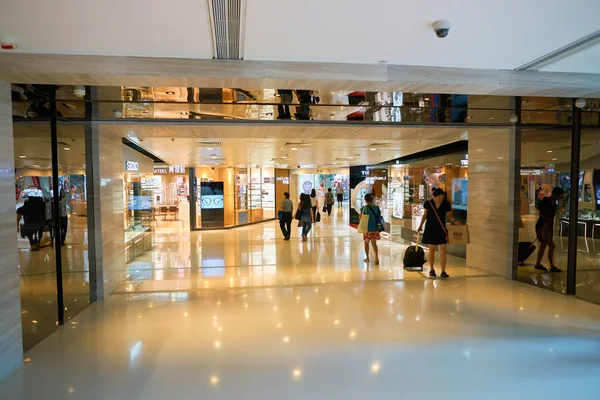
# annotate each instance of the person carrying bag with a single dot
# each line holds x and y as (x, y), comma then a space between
(436, 234)
(371, 226)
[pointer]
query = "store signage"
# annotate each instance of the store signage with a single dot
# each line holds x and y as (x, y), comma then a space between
(531, 172)
(169, 169)
(284, 179)
(465, 162)
(131, 166)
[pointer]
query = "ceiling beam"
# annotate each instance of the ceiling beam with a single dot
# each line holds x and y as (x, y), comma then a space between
(147, 71)
(564, 52)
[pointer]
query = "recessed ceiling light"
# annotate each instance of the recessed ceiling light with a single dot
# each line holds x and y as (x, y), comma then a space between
(554, 159)
(294, 148)
(214, 158)
(284, 157)
(22, 156)
(469, 117)
(209, 148)
(67, 148)
(373, 148)
(350, 157)
(548, 151)
(170, 93)
(334, 163)
(490, 118)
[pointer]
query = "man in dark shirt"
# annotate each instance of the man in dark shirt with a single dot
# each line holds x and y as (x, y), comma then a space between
(544, 228)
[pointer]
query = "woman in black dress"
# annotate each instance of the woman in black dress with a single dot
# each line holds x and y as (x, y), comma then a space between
(436, 211)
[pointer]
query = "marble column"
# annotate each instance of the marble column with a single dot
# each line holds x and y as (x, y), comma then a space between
(11, 346)
(493, 200)
(104, 158)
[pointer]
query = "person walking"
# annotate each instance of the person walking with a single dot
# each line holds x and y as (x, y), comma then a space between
(314, 201)
(372, 235)
(544, 228)
(339, 192)
(287, 207)
(329, 201)
(283, 109)
(436, 211)
(306, 215)
(64, 218)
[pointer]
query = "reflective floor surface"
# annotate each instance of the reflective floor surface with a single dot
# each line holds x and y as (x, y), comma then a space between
(476, 338)
(257, 256)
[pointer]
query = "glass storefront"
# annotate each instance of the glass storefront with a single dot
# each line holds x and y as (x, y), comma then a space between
(402, 188)
(226, 197)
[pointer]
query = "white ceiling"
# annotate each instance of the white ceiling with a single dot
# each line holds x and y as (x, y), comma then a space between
(485, 34)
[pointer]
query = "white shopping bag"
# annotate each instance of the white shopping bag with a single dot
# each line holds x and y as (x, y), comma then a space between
(363, 225)
(458, 234)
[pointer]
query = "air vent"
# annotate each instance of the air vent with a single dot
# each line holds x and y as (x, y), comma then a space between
(228, 25)
(209, 144)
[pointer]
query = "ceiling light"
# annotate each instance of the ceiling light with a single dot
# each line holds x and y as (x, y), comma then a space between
(170, 93)
(469, 117)
(67, 148)
(490, 118)
(209, 148)
(554, 159)
(350, 157)
(294, 148)
(22, 156)
(284, 157)
(214, 157)
(183, 113)
(373, 148)
(334, 163)
(548, 151)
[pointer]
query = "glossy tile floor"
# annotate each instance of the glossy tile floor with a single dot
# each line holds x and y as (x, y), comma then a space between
(476, 338)
(266, 319)
(257, 256)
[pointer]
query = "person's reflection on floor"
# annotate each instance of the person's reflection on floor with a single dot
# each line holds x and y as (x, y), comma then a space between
(283, 109)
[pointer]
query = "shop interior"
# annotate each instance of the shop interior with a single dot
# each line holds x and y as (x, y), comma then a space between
(401, 188)
(546, 163)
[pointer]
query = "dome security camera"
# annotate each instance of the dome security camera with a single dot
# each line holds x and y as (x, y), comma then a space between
(442, 28)
(79, 91)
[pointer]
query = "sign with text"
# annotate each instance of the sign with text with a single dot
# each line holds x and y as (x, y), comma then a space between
(132, 165)
(161, 169)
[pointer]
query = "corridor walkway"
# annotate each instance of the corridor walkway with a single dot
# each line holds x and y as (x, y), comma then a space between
(311, 321)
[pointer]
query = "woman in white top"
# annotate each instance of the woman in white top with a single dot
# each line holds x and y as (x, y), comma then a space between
(314, 203)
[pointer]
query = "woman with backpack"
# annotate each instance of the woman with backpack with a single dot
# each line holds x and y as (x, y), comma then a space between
(373, 234)
(436, 211)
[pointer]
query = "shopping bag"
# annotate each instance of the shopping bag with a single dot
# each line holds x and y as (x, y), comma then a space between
(363, 225)
(458, 234)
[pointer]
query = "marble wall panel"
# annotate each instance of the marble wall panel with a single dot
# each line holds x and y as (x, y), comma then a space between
(491, 200)
(11, 347)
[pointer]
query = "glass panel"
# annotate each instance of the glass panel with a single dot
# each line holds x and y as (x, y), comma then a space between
(588, 256)
(545, 165)
(33, 192)
(73, 218)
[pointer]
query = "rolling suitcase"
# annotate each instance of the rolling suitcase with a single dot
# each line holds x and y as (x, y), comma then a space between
(525, 250)
(414, 257)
